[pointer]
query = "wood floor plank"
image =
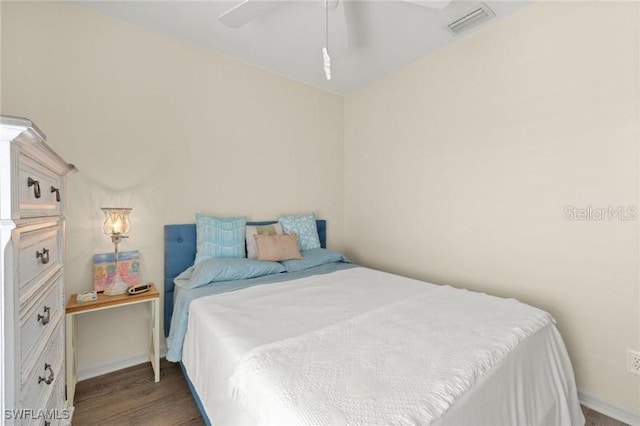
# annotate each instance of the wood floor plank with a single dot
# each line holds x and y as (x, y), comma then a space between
(593, 418)
(131, 397)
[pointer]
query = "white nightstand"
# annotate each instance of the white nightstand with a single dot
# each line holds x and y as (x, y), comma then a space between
(107, 302)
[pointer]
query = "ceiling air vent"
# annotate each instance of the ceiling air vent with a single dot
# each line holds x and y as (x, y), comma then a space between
(474, 17)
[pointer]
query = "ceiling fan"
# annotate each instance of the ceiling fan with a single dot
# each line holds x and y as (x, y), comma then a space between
(338, 10)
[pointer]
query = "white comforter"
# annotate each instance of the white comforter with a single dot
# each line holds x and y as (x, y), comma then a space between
(357, 347)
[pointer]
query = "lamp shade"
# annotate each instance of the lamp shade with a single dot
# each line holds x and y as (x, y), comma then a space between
(116, 220)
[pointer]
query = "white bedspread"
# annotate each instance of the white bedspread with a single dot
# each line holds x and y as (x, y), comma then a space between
(364, 347)
(403, 363)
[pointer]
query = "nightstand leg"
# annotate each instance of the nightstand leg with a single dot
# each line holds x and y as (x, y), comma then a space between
(71, 359)
(155, 338)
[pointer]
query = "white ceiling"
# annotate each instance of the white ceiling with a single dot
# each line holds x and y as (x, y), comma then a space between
(288, 39)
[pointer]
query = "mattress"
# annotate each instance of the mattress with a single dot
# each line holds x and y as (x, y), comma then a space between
(532, 385)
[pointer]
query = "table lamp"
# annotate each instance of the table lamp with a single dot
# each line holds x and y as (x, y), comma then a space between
(116, 225)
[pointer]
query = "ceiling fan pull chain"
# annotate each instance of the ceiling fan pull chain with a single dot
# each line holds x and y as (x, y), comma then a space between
(326, 59)
(326, 24)
(327, 63)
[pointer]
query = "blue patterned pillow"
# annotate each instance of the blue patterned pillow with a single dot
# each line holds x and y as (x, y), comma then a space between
(218, 237)
(305, 227)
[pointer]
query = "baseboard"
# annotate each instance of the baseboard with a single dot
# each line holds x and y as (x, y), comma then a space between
(625, 415)
(99, 370)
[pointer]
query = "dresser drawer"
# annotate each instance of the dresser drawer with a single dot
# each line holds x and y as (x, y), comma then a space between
(39, 253)
(45, 374)
(54, 413)
(37, 319)
(39, 189)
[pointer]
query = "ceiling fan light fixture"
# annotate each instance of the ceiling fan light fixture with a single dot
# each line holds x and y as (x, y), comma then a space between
(330, 4)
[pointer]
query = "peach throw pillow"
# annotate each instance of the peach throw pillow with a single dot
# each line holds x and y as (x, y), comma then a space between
(277, 247)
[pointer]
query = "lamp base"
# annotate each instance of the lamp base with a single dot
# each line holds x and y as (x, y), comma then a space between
(117, 287)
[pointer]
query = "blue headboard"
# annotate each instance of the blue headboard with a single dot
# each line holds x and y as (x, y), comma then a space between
(180, 252)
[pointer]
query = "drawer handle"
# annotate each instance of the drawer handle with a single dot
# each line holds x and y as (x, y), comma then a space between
(47, 380)
(45, 319)
(57, 191)
(36, 187)
(44, 256)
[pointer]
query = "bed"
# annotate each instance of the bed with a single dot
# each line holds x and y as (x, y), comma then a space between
(342, 344)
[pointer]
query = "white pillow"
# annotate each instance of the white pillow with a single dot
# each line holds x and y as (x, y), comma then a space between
(252, 248)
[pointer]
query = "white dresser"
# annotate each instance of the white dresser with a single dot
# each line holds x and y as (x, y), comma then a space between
(32, 199)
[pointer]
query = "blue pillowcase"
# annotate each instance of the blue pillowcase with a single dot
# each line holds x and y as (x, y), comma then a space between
(219, 237)
(304, 226)
(312, 258)
(215, 270)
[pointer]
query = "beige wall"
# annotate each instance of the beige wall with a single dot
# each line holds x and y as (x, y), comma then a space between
(458, 169)
(169, 130)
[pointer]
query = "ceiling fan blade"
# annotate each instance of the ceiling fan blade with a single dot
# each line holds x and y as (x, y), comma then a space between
(246, 11)
(431, 4)
(339, 43)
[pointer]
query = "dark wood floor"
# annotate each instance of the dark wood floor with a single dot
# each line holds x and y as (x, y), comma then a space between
(130, 397)
(593, 418)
